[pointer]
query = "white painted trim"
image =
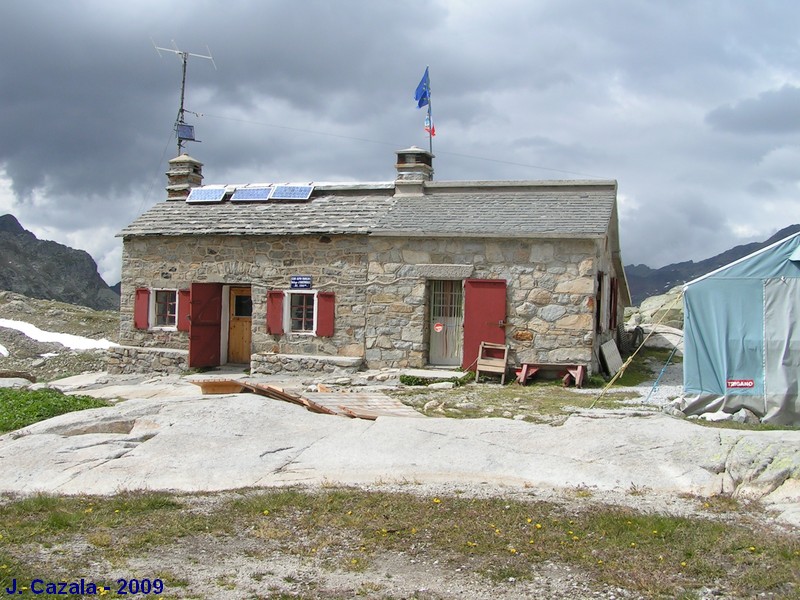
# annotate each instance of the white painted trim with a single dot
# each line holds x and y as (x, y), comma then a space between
(151, 310)
(287, 312)
(225, 324)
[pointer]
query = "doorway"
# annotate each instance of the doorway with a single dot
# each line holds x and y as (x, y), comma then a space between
(446, 315)
(240, 325)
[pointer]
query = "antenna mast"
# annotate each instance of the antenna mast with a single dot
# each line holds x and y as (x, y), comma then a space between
(183, 131)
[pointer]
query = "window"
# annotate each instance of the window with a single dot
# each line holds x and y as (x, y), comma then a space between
(161, 308)
(166, 308)
(242, 306)
(301, 313)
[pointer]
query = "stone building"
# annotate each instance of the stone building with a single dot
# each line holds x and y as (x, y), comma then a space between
(406, 273)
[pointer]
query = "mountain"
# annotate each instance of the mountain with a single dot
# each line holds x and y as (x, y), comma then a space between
(645, 282)
(50, 271)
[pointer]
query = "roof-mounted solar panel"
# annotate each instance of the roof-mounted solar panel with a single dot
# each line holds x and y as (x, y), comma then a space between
(251, 194)
(291, 192)
(206, 194)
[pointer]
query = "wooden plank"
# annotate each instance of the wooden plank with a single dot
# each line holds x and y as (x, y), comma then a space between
(220, 386)
(359, 413)
(611, 356)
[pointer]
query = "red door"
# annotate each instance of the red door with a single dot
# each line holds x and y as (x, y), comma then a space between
(205, 316)
(484, 316)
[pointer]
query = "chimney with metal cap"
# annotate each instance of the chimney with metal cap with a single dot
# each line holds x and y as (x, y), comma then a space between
(414, 168)
(184, 173)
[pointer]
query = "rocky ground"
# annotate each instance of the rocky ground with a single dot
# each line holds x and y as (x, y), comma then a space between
(233, 566)
(46, 361)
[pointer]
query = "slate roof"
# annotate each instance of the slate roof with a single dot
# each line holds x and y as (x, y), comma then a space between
(485, 209)
(322, 215)
(542, 211)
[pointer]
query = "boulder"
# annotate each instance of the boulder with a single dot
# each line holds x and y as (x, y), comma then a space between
(664, 337)
(666, 309)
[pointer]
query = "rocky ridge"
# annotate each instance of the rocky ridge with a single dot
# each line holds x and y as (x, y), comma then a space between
(49, 270)
(645, 282)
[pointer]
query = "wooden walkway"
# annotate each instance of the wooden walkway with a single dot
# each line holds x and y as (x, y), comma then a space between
(357, 405)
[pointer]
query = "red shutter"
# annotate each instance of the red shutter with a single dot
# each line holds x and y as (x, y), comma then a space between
(275, 312)
(614, 303)
(326, 312)
(600, 307)
(183, 310)
(141, 309)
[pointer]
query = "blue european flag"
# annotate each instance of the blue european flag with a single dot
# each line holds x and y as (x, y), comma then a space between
(423, 93)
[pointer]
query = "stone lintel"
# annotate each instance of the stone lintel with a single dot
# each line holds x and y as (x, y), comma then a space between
(431, 271)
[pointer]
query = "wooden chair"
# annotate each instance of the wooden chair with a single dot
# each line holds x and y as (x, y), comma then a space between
(492, 358)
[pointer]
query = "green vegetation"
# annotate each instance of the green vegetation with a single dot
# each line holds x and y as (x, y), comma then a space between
(423, 381)
(19, 408)
(347, 530)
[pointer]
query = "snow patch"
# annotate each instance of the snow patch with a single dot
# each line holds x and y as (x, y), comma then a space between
(75, 342)
(3, 351)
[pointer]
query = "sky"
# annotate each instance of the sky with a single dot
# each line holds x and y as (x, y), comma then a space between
(692, 106)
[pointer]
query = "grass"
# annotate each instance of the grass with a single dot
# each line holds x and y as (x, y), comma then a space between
(19, 408)
(346, 530)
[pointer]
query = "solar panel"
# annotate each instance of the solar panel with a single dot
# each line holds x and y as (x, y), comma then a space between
(206, 194)
(251, 194)
(291, 192)
(185, 132)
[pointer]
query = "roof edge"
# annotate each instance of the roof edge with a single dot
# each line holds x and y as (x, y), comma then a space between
(524, 184)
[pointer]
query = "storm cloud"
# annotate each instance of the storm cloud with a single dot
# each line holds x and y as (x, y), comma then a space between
(691, 106)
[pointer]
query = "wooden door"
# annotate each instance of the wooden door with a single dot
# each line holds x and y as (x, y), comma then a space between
(205, 322)
(484, 316)
(240, 325)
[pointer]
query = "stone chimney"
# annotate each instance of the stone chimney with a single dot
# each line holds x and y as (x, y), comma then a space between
(184, 173)
(414, 168)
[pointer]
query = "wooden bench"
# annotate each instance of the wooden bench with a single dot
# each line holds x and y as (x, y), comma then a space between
(568, 373)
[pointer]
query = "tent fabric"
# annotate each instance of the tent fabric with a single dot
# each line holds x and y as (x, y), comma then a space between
(782, 349)
(742, 336)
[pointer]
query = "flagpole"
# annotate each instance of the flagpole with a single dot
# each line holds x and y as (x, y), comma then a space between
(430, 118)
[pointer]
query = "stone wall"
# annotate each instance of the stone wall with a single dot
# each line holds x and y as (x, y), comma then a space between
(336, 264)
(268, 363)
(124, 360)
(381, 289)
(551, 290)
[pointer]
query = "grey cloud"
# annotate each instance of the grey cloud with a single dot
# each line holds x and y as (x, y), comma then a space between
(321, 90)
(773, 111)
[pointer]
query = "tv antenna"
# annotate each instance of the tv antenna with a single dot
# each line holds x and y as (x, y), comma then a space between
(183, 131)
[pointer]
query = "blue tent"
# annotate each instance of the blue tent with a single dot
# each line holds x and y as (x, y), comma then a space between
(742, 336)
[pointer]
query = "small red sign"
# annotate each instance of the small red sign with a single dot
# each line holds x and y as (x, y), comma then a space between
(438, 328)
(740, 383)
